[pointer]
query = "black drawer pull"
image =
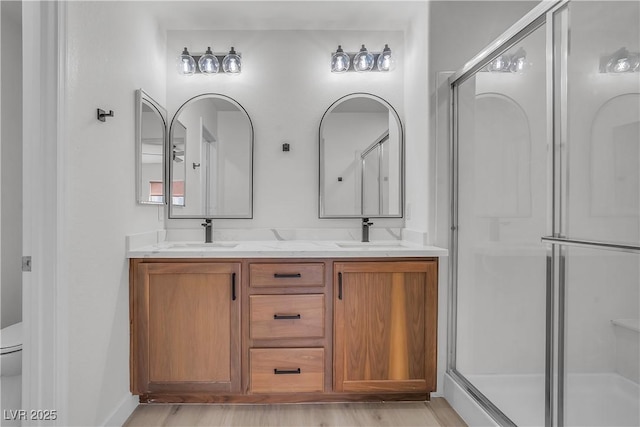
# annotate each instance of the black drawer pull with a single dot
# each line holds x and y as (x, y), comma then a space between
(286, 371)
(340, 285)
(286, 316)
(286, 275)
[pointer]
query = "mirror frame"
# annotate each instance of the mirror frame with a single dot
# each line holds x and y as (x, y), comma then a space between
(381, 100)
(143, 97)
(169, 162)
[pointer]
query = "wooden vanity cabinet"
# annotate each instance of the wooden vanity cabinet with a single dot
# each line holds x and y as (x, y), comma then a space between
(283, 330)
(385, 326)
(185, 330)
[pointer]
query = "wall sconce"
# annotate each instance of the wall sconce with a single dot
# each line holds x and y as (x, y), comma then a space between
(209, 63)
(621, 61)
(362, 60)
(509, 62)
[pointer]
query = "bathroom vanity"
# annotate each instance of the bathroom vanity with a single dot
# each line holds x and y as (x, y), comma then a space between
(240, 324)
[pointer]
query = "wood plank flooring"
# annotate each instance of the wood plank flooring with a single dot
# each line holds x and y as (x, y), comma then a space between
(436, 413)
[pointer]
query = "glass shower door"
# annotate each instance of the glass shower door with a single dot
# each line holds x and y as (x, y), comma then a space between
(599, 43)
(502, 167)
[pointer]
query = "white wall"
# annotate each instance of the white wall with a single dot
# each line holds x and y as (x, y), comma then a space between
(114, 48)
(285, 86)
(11, 164)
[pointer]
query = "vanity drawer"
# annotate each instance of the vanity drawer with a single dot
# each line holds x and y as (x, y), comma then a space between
(286, 370)
(292, 274)
(286, 316)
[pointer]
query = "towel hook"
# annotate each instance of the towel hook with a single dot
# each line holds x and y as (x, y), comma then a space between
(102, 115)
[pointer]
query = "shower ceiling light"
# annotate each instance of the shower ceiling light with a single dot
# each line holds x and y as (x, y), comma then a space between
(209, 63)
(621, 61)
(362, 60)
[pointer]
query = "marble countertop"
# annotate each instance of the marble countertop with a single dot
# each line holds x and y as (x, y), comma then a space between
(285, 249)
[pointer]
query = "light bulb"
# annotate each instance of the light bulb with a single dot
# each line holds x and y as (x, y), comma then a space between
(385, 60)
(232, 63)
(208, 63)
(340, 61)
(517, 65)
(501, 63)
(363, 60)
(186, 63)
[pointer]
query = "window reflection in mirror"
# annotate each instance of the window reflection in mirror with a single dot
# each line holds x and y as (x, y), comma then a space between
(212, 166)
(150, 140)
(361, 159)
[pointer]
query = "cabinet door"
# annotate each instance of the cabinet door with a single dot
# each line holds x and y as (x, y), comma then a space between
(187, 327)
(385, 326)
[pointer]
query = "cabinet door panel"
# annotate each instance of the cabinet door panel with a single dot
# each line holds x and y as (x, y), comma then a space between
(189, 331)
(383, 341)
(187, 327)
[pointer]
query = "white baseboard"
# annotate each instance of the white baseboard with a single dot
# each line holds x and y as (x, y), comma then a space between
(465, 406)
(122, 412)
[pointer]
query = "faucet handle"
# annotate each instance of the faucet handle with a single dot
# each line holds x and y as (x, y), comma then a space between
(365, 221)
(206, 223)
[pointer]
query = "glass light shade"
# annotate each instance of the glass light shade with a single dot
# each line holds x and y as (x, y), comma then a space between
(340, 61)
(363, 61)
(232, 63)
(208, 63)
(517, 65)
(501, 63)
(386, 61)
(186, 63)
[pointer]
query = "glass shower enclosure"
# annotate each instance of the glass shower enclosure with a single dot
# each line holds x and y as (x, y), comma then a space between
(545, 215)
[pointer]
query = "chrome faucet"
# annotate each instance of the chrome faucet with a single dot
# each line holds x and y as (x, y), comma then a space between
(365, 229)
(208, 230)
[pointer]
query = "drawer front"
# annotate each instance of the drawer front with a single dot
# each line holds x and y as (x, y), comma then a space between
(279, 275)
(286, 316)
(286, 370)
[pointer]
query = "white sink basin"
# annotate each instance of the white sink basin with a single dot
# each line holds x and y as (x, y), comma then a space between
(201, 245)
(370, 245)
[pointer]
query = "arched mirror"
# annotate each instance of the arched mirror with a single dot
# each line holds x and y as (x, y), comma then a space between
(211, 159)
(150, 139)
(361, 159)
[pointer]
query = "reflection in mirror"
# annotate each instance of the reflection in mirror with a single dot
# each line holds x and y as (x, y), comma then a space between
(178, 155)
(361, 159)
(150, 138)
(212, 159)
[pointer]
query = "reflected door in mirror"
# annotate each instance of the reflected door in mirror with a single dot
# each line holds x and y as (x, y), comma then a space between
(212, 171)
(361, 162)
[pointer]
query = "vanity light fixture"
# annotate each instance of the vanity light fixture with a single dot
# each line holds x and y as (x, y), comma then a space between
(232, 63)
(509, 62)
(386, 61)
(186, 63)
(340, 61)
(209, 63)
(362, 61)
(621, 61)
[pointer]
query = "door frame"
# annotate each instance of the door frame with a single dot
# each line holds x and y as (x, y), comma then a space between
(45, 318)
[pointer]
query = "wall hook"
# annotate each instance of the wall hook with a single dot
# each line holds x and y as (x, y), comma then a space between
(102, 115)
(196, 165)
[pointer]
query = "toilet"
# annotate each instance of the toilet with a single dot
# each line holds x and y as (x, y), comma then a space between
(11, 350)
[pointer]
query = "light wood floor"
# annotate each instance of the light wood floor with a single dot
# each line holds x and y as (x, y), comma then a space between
(436, 413)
